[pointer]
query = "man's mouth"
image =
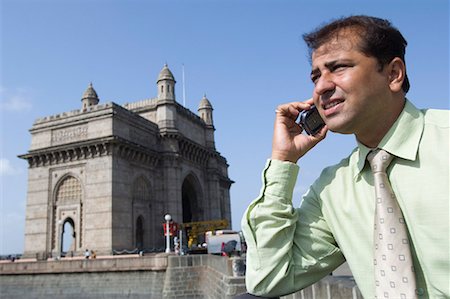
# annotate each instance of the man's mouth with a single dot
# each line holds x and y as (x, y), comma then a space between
(331, 104)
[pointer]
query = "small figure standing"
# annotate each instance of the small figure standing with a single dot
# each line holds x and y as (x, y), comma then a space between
(176, 242)
(87, 254)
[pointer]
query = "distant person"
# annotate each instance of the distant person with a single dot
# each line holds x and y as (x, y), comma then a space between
(87, 254)
(93, 254)
(385, 208)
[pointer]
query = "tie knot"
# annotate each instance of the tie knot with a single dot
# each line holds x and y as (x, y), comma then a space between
(379, 160)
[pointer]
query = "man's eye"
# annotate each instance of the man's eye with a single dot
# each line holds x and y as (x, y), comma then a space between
(314, 79)
(339, 67)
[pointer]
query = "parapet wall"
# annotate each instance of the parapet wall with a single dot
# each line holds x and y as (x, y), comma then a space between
(157, 262)
(112, 277)
(153, 276)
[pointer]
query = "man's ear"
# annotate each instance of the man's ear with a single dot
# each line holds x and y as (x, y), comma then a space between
(397, 74)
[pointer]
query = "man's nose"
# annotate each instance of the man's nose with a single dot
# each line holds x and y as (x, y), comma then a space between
(324, 86)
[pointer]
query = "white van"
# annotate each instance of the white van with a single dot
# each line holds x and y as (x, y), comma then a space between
(223, 240)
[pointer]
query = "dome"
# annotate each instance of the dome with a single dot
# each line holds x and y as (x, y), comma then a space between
(165, 74)
(90, 93)
(205, 103)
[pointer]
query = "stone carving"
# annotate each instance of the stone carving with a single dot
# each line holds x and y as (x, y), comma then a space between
(69, 135)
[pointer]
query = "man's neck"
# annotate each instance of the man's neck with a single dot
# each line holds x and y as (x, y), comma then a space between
(373, 138)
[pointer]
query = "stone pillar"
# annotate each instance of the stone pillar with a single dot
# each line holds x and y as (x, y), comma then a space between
(37, 223)
(213, 196)
(172, 188)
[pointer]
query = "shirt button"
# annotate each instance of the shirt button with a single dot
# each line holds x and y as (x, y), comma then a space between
(420, 291)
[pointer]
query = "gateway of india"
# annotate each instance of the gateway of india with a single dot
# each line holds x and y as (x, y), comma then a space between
(108, 174)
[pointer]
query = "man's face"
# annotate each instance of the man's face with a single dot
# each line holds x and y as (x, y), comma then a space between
(350, 91)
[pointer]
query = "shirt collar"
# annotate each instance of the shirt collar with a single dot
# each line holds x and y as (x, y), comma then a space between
(402, 139)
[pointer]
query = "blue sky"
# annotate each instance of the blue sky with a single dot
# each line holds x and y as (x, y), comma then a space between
(247, 56)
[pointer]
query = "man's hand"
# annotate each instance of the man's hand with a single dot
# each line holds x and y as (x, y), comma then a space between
(289, 144)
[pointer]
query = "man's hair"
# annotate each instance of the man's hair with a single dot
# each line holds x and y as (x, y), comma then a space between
(377, 38)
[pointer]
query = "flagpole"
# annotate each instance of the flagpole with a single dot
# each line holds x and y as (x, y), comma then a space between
(184, 89)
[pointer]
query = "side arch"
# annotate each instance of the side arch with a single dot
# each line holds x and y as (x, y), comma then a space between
(141, 206)
(139, 233)
(67, 207)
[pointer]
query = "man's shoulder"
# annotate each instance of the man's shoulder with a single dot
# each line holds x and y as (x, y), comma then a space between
(435, 117)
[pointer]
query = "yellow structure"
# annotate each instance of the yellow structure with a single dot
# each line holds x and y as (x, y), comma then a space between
(193, 229)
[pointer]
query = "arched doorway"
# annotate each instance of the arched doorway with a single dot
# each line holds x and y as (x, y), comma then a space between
(139, 233)
(68, 236)
(192, 211)
(67, 212)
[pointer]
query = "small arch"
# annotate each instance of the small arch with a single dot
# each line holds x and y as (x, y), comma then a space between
(67, 235)
(142, 215)
(139, 233)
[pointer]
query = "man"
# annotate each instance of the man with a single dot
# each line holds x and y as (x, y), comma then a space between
(360, 83)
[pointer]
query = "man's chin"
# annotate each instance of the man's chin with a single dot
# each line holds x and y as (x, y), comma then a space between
(338, 129)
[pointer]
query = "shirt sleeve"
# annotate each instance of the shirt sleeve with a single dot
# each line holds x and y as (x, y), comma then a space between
(287, 249)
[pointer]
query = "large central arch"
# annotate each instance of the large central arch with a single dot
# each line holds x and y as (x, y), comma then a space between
(191, 199)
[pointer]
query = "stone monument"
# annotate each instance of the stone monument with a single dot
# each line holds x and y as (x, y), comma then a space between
(103, 177)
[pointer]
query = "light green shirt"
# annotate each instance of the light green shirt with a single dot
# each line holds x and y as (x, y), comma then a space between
(291, 248)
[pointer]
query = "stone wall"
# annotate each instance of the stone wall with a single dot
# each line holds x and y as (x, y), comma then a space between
(154, 276)
(201, 276)
(89, 285)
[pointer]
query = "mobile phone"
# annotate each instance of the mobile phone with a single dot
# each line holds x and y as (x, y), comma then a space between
(311, 121)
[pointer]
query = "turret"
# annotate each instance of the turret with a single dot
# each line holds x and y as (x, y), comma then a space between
(166, 84)
(166, 107)
(90, 97)
(205, 111)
